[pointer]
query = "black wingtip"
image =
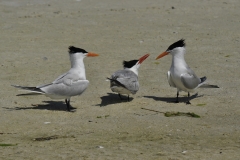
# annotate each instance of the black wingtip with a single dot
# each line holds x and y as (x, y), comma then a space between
(117, 82)
(203, 79)
(35, 89)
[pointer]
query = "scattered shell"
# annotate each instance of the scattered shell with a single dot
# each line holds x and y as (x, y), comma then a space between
(184, 152)
(100, 147)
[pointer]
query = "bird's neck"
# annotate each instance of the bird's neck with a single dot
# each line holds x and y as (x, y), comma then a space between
(134, 69)
(78, 65)
(179, 58)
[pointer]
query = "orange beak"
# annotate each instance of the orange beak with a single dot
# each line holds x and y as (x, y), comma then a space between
(162, 55)
(90, 54)
(143, 58)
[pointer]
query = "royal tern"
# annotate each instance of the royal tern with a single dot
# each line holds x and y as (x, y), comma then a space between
(126, 81)
(180, 75)
(71, 83)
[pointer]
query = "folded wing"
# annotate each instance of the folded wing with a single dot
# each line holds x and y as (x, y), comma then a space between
(190, 81)
(127, 79)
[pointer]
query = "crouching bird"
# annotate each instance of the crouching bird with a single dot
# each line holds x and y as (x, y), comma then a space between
(126, 81)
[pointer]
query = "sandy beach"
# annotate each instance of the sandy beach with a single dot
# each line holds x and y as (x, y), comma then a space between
(35, 36)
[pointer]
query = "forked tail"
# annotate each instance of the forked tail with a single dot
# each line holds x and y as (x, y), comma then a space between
(30, 89)
(203, 83)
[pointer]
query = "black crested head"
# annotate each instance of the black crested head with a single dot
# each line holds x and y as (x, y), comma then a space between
(129, 64)
(73, 50)
(179, 43)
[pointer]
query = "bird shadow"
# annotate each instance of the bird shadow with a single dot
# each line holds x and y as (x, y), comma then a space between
(112, 98)
(49, 105)
(173, 99)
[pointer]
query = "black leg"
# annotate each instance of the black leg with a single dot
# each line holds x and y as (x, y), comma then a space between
(177, 97)
(120, 96)
(128, 98)
(187, 102)
(68, 104)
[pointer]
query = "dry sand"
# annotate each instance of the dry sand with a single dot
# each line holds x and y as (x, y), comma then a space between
(35, 35)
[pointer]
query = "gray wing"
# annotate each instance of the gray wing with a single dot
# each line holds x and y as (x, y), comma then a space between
(60, 78)
(169, 77)
(64, 78)
(128, 79)
(72, 89)
(190, 81)
(68, 78)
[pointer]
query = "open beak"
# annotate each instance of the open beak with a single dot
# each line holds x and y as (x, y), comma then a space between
(90, 54)
(143, 58)
(162, 55)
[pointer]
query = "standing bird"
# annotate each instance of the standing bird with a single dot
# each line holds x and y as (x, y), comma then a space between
(71, 83)
(126, 81)
(180, 75)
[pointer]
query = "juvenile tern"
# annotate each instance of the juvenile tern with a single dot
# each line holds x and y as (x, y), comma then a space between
(180, 75)
(71, 83)
(126, 81)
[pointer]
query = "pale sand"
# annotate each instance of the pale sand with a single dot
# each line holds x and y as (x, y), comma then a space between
(35, 36)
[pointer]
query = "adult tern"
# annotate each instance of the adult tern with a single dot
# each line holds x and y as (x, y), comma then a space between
(71, 83)
(180, 75)
(126, 81)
